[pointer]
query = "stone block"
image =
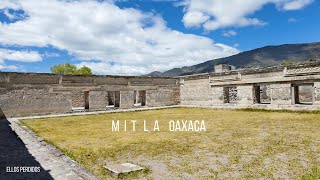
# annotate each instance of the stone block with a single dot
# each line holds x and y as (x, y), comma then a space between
(117, 170)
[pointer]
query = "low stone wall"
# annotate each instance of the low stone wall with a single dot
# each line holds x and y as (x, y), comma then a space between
(23, 94)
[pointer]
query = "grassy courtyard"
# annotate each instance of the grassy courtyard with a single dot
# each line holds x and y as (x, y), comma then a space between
(237, 144)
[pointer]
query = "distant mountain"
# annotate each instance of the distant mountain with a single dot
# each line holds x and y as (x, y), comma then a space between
(155, 74)
(261, 57)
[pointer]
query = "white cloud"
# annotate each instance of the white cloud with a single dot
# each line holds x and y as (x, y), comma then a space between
(9, 4)
(133, 41)
(229, 33)
(232, 13)
(295, 5)
(21, 56)
(292, 20)
(3, 66)
(192, 19)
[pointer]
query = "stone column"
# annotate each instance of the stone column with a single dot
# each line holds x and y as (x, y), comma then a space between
(217, 95)
(126, 99)
(317, 93)
(245, 94)
(313, 94)
(98, 100)
(281, 94)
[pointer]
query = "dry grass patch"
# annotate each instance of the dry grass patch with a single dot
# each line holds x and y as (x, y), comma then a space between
(237, 144)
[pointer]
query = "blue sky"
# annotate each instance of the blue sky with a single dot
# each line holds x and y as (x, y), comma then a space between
(138, 37)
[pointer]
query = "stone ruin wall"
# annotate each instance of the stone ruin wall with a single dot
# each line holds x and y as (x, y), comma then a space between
(293, 87)
(23, 94)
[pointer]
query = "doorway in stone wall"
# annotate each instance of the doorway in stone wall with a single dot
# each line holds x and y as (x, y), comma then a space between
(142, 97)
(139, 98)
(86, 100)
(110, 98)
(303, 94)
(262, 94)
(116, 98)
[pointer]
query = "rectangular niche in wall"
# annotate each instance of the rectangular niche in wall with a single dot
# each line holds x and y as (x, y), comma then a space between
(230, 94)
(110, 98)
(113, 99)
(303, 94)
(262, 94)
(86, 100)
(140, 98)
(117, 99)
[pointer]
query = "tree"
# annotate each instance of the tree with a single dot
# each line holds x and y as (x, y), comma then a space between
(83, 71)
(68, 68)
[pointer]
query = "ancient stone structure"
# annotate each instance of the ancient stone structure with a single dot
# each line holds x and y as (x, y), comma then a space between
(291, 87)
(28, 93)
(223, 68)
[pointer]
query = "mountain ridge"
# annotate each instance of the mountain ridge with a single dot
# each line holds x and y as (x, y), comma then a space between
(271, 55)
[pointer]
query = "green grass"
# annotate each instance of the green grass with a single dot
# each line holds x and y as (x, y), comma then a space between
(239, 144)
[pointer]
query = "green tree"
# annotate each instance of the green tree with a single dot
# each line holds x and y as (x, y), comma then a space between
(84, 70)
(66, 68)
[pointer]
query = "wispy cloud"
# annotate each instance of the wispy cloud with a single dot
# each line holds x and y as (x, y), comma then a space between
(292, 20)
(229, 33)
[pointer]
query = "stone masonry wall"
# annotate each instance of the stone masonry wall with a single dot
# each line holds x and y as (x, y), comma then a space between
(195, 92)
(274, 87)
(77, 99)
(126, 99)
(281, 94)
(164, 96)
(317, 93)
(19, 101)
(217, 95)
(98, 99)
(245, 94)
(23, 94)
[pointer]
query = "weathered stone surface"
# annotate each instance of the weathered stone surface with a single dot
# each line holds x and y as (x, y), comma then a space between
(123, 169)
(245, 94)
(29, 94)
(274, 88)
